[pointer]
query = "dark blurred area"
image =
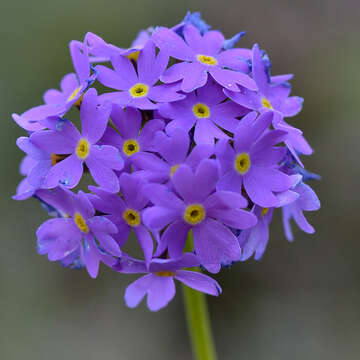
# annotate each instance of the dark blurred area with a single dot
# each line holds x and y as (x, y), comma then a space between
(301, 301)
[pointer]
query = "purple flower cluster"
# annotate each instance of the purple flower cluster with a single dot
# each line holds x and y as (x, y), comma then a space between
(184, 141)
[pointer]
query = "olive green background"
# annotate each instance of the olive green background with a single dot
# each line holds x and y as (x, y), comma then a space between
(301, 301)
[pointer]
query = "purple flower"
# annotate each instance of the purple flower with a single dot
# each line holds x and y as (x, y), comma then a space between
(57, 103)
(78, 231)
(138, 89)
(100, 51)
(207, 111)
(173, 149)
(126, 211)
(253, 160)
(158, 283)
(307, 201)
(129, 138)
(254, 240)
(64, 138)
(202, 55)
(200, 208)
(269, 95)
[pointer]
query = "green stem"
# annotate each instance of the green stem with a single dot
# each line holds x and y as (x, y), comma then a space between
(199, 324)
(198, 320)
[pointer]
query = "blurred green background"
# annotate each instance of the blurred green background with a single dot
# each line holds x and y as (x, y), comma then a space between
(301, 301)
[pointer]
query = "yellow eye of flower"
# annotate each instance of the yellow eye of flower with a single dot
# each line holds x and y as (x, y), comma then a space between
(74, 94)
(173, 169)
(165, 273)
(81, 223)
(132, 217)
(242, 163)
(83, 149)
(201, 110)
(194, 214)
(264, 211)
(131, 147)
(133, 56)
(139, 90)
(266, 103)
(207, 59)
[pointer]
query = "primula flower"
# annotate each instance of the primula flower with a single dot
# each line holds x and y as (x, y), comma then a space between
(78, 230)
(57, 103)
(126, 212)
(201, 55)
(159, 284)
(252, 162)
(207, 111)
(173, 149)
(128, 136)
(138, 89)
(193, 156)
(255, 239)
(200, 208)
(307, 201)
(64, 138)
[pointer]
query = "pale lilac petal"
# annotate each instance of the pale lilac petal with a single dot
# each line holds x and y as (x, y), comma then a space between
(176, 72)
(165, 93)
(124, 68)
(214, 243)
(225, 199)
(137, 290)
(94, 117)
(250, 129)
(80, 60)
(160, 195)
(235, 218)
(175, 237)
(146, 242)
(111, 78)
(199, 282)
(198, 153)
(131, 189)
(102, 174)
(90, 257)
(247, 98)
(67, 172)
(157, 217)
(198, 78)
(171, 43)
(258, 70)
(108, 244)
(108, 155)
(161, 292)
(128, 121)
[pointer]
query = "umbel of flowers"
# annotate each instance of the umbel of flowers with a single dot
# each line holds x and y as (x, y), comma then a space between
(186, 141)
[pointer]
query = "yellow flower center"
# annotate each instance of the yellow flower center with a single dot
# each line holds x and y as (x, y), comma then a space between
(201, 110)
(81, 223)
(207, 59)
(131, 147)
(139, 90)
(242, 163)
(165, 273)
(194, 214)
(266, 103)
(133, 56)
(173, 169)
(74, 94)
(264, 211)
(132, 217)
(83, 149)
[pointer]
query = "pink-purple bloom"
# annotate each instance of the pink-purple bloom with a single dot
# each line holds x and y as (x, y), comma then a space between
(185, 145)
